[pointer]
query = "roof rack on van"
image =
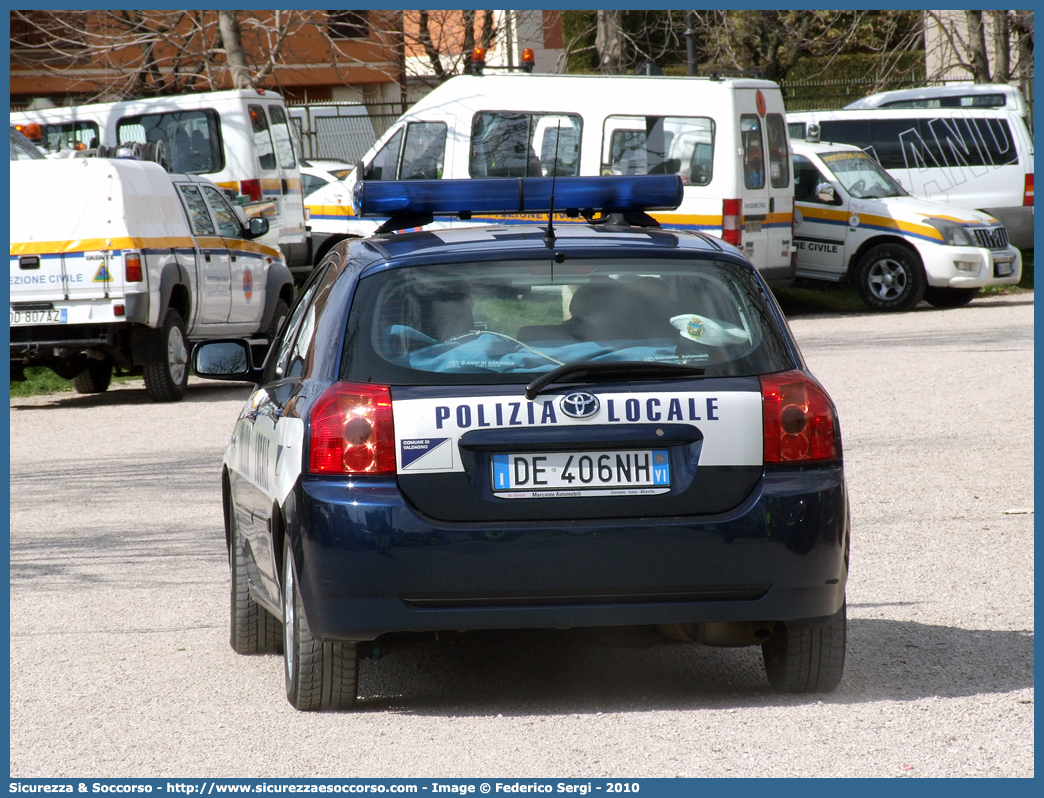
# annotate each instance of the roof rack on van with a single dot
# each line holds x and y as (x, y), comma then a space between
(478, 62)
(718, 74)
(414, 203)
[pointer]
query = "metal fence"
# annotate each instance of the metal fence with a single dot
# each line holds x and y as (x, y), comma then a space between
(343, 131)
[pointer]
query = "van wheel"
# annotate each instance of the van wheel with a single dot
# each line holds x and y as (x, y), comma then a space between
(319, 676)
(890, 278)
(809, 659)
(167, 380)
(95, 378)
(950, 297)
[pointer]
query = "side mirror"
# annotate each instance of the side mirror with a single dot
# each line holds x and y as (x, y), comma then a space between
(258, 226)
(226, 359)
(825, 193)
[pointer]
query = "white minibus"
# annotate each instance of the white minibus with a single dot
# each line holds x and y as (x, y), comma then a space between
(239, 139)
(725, 137)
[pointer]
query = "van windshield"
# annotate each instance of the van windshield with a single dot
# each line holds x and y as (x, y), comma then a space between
(861, 176)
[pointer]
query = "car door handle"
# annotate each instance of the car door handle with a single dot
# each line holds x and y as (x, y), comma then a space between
(232, 255)
(206, 255)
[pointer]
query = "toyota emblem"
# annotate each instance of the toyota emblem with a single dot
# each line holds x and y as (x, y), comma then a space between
(579, 404)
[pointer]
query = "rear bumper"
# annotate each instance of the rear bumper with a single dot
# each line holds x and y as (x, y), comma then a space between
(368, 564)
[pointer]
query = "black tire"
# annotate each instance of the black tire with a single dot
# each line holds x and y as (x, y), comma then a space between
(950, 297)
(282, 310)
(319, 676)
(808, 659)
(95, 378)
(166, 380)
(252, 628)
(890, 277)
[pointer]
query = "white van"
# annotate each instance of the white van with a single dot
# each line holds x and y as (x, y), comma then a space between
(853, 222)
(139, 264)
(240, 139)
(971, 158)
(1002, 96)
(726, 138)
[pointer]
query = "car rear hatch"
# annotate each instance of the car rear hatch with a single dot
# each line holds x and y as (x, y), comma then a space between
(595, 450)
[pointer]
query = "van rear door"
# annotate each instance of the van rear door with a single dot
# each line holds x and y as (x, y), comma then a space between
(280, 178)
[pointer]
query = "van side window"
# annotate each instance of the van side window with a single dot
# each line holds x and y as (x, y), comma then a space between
(846, 131)
(753, 151)
(228, 222)
(191, 139)
(503, 144)
(425, 151)
(779, 171)
(659, 145)
(67, 135)
(385, 163)
(281, 132)
(969, 142)
(199, 214)
(262, 136)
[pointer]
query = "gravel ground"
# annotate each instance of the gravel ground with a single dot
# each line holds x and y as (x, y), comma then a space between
(120, 664)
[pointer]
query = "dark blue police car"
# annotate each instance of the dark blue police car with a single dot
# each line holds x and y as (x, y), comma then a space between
(532, 425)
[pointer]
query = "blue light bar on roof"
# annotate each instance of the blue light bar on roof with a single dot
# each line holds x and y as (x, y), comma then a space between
(610, 194)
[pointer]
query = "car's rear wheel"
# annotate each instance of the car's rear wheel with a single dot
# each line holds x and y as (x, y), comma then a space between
(319, 676)
(950, 297)
(167, 379)
(807, 659)
(95, 378)
(890, 277)
(252, 628)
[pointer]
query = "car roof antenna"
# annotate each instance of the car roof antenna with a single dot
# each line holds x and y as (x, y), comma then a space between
(549, 236)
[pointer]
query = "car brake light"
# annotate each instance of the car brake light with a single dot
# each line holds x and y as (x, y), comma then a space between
(252, 188)
(800, 421)
(132, 267)
(1027, 197)
(352, 430)
(731, 227)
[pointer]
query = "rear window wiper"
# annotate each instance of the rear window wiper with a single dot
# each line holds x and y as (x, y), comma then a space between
(572, 372)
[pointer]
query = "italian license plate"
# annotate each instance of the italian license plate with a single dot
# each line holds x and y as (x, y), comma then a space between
(1004, 268)
(568, 474)
(52, 316)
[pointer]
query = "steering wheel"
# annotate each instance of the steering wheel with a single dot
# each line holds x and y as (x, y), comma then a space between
(857, 187)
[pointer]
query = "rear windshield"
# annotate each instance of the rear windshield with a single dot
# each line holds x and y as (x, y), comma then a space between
(505, 322)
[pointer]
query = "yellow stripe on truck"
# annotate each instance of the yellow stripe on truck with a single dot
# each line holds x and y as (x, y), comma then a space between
(119, 244)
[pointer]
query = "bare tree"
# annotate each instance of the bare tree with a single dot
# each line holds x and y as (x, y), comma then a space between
(126, 53)
(970, 40)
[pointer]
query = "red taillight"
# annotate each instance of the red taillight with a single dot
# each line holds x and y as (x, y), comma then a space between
(132, 268)
(352, 431)
(731, 221)
(252, 188)
(1027, 197)
(799, 419)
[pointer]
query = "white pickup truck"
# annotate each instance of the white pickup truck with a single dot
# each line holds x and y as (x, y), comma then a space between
(118, 265)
